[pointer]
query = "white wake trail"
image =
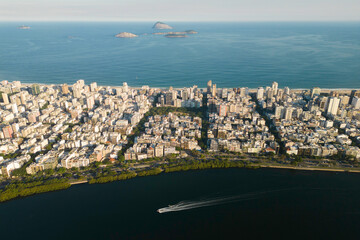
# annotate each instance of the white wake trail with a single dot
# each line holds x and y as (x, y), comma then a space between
(187, 205)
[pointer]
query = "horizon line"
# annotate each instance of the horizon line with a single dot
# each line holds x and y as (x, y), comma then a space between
(194, 21)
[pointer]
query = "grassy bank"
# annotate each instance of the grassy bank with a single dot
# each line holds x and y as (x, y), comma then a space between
(17, 190)
(208, 165)
(105, 179)
(125, 176)
(172, 168)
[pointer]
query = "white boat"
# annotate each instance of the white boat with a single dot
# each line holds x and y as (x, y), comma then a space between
(165, 209)
(160, 210)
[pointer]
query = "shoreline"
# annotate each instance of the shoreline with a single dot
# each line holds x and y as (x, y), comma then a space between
(117, 178)
(310, 169)
(324, 90)
(79, 182)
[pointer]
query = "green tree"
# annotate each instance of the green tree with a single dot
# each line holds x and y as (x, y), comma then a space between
(61, 170)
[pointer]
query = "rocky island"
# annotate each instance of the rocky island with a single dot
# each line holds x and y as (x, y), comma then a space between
(125, 35)
(175, 35)
(185, 32)
(23, 27)
(190, 32)
(161, 25)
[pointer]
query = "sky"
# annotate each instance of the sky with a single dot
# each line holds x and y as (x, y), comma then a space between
(180, 10)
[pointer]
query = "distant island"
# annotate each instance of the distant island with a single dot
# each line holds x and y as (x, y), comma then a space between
(185, 32)
(24, 27)
(125, 35)
(175, 35)
(161, 25)
(190, 32)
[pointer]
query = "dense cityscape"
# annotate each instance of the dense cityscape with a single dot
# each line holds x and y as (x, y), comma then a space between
(85, 133)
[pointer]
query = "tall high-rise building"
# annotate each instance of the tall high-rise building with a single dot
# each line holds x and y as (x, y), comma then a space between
(87, 89)
(333, 105)
(15, 127)
(279, 112)
(17, 100)
(280, 94)
(222, 110)
(184, 94)
(224, 93)
(90, 102)
(269, 93)
(209, 85)
(23, 97)
(125, 87)
(286, 90)
(7, 131)
(5, 98)
(76, 90)
(14, 108)
(65, 88)
(213, 90)
(288, 113)
(93, 87)
(356, 102)
(177, 102)
(81, 83)
(315, 91)
(169, 98)
(211, 105)
(297, 112)
(243, 92)
(260, 93)
(354, 93)
(323, 103)
(274, 87)
(13, 99)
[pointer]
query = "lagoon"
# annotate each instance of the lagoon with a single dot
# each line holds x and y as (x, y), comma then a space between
(274, 203)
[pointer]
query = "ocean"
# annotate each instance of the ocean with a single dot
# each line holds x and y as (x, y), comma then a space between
(248, 54)
(265, 204)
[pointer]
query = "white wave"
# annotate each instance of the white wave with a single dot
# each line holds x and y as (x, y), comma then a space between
(187, 205)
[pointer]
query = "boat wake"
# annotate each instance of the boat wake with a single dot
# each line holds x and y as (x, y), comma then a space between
(187, 205)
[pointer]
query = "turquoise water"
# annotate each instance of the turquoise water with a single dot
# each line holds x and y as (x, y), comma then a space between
(298, 55)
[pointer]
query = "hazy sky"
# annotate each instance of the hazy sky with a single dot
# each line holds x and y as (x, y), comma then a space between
(180, 10)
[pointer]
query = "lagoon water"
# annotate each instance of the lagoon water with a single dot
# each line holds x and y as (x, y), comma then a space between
(298, 55)
(270, 203)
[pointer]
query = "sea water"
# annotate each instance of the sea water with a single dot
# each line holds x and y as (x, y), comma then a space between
(297, 55)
